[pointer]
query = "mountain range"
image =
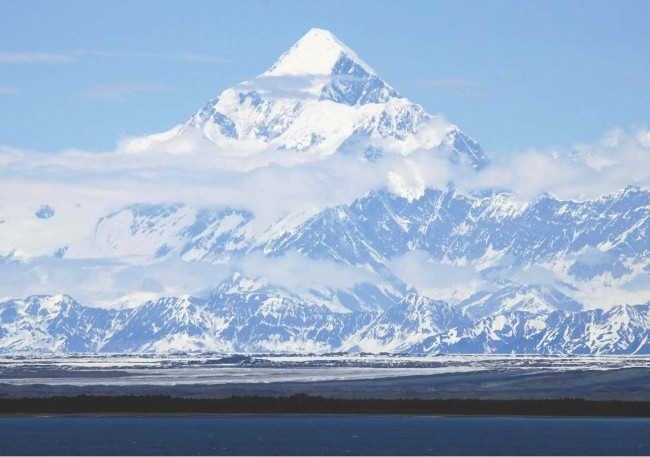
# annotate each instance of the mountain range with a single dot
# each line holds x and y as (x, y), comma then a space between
(428, 271)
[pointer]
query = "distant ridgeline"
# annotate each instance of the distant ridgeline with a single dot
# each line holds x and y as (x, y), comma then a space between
(545, 277)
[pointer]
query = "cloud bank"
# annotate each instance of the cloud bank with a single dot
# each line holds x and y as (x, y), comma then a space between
(583, 171)
(279, 187)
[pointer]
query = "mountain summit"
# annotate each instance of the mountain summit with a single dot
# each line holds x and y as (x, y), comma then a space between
(319, 98)
(318, 52)
(332, 71)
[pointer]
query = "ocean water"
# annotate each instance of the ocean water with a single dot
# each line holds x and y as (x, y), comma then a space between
(322, 435)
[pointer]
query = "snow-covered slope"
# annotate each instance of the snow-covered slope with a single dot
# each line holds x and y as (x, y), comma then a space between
(406, 323)
(488, 229)
(168, 325)
(157, 231)
(319, 98)
(531, 299)
(52, 323)
(268, 320)
(620, 330)
(546, 255)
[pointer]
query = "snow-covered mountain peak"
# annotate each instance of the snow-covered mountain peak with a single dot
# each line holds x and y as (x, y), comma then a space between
(319, 98)
(316, 53)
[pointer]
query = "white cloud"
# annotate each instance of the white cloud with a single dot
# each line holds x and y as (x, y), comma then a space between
(533, 275)
(5, 90)
(643, 137)
(276, 183)
(83, 186)
(73, 56)
(118, 91)
(584, 171)
(439, 280)
(36, 57)
(178, 56)
(296, 272)
(107, 283)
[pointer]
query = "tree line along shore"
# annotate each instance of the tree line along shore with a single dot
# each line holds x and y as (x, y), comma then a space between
(305, 404)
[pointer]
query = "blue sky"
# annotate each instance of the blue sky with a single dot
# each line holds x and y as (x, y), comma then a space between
(513, 74)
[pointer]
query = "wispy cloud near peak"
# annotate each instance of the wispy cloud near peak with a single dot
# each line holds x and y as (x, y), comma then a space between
(36, 57)
(118, 91)
(73, 56)
(180, 56)
(456, 86)
(7, 90)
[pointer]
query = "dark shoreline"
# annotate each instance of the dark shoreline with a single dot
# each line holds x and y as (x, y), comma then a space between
(312, 405)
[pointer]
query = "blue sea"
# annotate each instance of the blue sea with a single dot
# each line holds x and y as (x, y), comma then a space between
(322, 435)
